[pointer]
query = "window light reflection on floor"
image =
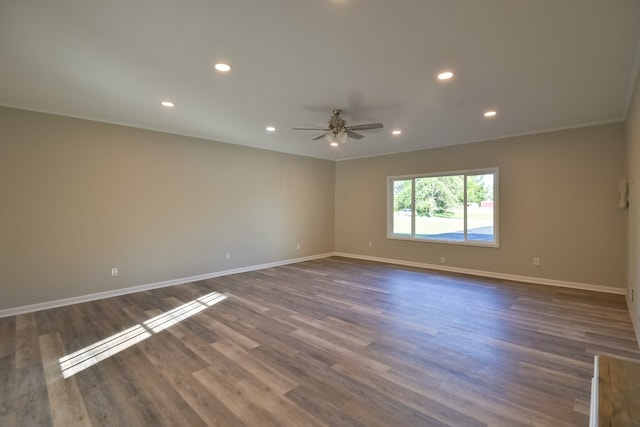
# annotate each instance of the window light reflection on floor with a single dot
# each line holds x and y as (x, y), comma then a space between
(82, 359)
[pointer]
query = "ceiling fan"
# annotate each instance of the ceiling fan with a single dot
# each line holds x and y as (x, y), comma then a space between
(338, 131)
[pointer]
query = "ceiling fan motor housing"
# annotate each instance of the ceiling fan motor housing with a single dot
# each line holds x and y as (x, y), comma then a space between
(336, 123)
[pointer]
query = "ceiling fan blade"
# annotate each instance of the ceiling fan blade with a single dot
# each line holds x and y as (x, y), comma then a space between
(318, 137)
(354, 135)
(324, 130)
(365, 127)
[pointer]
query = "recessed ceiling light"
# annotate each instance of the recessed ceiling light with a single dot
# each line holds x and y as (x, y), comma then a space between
(334, 144)
(490, 113)
(446, 75)
(167, 104)
(397, 132)
(222, 67)
(271, 129)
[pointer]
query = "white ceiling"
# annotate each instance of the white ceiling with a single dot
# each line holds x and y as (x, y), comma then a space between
(542, 64)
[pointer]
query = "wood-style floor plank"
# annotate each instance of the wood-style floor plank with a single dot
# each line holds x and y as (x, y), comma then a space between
(66, 402)
(27, 346)
(329, 342)
(31, 403)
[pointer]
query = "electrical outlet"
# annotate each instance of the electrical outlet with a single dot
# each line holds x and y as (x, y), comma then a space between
(442, 260)
(536, 261)
(298, 246)
(370, 244)
(228, 255)
(114, 271)
(631, 294)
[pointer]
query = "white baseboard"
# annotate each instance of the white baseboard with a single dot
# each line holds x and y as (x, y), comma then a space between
(130, 290)
(124, 291)
(491, 274)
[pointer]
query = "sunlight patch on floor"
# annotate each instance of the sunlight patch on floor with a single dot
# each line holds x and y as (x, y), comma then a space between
(84, 358)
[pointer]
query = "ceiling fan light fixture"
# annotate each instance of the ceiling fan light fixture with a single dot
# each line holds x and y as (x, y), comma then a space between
(342, 136)
(336, 137)
(330, 137)
(337, 130)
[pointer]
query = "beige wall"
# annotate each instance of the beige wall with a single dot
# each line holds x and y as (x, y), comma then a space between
(558, 202)
(633, 167)
(80, 197)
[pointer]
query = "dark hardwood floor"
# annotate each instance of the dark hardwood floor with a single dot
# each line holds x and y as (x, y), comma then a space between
(331, 342)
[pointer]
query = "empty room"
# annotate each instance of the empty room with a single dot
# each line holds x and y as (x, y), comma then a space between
(319, 213)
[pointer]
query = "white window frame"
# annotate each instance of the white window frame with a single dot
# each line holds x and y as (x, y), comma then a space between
(470, 172)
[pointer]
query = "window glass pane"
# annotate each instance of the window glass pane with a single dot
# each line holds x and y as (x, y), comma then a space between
(440, 207)
(457, 207)
(402, 211)
(480, 209)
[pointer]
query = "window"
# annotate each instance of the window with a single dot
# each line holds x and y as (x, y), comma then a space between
(454, 207)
